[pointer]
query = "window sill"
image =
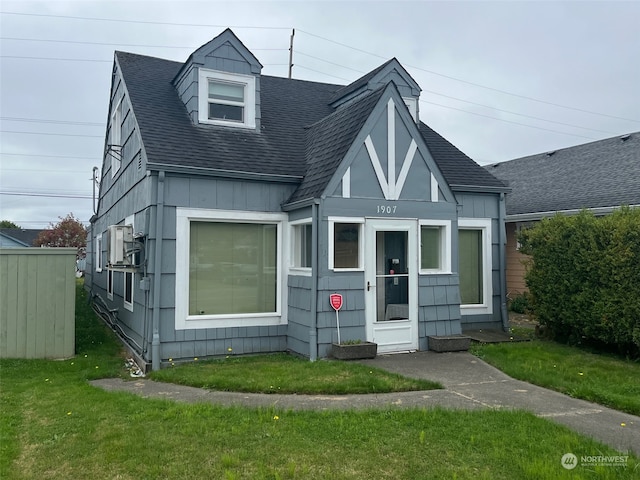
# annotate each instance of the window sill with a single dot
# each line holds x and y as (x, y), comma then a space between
(434, 272)
(215, 321)
(224, 123)
(300, 271)
(476, 309)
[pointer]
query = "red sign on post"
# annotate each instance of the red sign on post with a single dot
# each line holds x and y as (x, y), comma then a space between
(336, 301)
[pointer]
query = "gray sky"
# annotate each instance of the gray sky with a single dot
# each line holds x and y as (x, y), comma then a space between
(496, 77)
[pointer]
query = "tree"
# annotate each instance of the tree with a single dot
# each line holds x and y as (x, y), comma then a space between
(8, 224)
(68, 232)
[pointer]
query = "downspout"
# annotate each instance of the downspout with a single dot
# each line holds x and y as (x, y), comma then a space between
(313, 327)
(503, 266)
(157, 275)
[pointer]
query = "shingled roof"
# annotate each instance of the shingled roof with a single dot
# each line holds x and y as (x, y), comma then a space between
(596, 175)
(301, 139)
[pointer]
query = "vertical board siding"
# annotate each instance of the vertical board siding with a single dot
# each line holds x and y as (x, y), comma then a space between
(515, 264)
(37, 302)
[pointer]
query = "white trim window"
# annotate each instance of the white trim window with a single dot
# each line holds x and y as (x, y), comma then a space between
(475, 265)
(346, 244)
(435, 246)
(301, 246)
(110, 284)
(98, 253)
(229, 268)
(115, 138)
(226, 98)
(129, 275)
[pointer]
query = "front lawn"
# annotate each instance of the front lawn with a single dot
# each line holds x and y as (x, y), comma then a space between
(282, 373)
(600, 378)
(55, 425)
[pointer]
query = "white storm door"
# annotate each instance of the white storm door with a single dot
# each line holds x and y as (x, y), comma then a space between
(391, 284)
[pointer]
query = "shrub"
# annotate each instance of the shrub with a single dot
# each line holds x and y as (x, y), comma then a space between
(520, 303)
(584, 277)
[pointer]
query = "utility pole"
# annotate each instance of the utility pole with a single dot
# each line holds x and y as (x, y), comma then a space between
(293, 32)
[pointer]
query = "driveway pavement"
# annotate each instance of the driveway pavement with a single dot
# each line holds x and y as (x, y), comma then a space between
(469, 384)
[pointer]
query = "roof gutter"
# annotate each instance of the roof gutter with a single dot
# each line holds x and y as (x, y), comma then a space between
(533, 216)
(480, 189)
(219, 172)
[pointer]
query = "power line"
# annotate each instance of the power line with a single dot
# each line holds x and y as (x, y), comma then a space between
(56, 59)
(48, 156)
(54, 134)
(143, 22)
(312, 35)
(109, 44)
(48, 195)
(61, 122)
(459, 99)
(473, 83)
(508, 121)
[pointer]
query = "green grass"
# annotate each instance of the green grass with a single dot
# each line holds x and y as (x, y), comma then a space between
(55, 425)
(597, 377)
(282, 373)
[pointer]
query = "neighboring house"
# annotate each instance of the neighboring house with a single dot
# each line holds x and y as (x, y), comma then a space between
(252, 198)
(599, 176)
(18, 237)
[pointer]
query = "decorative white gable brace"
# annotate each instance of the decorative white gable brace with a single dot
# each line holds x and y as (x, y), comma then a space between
(390, 185)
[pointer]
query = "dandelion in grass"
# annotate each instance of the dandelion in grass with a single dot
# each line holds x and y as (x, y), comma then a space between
(68, 413)
(276, 417)
(229, 349)
(195, 359)
(581, 374)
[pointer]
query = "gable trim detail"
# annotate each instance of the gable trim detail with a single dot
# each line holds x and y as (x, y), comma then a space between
(390, 185)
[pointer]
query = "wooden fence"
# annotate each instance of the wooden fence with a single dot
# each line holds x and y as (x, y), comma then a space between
(37, 302)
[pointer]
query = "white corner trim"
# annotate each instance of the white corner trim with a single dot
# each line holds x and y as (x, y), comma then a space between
(434, 188)
(346, 184)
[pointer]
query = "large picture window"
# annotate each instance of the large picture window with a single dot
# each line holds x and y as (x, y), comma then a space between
(232, 268)
(228, 268)
(474, 259)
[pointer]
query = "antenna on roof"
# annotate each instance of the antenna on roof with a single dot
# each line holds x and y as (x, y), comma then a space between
(293, 32)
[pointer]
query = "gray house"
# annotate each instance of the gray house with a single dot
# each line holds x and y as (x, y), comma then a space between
(599, 176)
(18, 237)
(244, 200)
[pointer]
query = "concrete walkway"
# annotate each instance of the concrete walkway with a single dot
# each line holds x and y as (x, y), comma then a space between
(469, 384)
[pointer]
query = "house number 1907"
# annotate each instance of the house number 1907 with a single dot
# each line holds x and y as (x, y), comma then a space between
(387, 209)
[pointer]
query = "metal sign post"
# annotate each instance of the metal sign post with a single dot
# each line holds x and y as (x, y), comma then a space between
(336, 303)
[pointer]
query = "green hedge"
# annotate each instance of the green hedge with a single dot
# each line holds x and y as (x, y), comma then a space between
(584, 277)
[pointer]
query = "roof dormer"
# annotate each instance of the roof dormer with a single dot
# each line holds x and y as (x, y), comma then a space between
(220, 84)
(390, 71)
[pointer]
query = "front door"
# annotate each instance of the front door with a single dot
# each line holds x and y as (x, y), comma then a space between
(391, 288)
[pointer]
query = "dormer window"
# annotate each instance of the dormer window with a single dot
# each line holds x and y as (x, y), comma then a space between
(226, 98)
(226, 101)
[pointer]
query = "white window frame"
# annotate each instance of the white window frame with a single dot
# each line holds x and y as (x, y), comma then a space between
(98, 253)
(445, 246)
(184, 321)
(110, 281)
(484, 225)
(115, 138)
(294, 268)
(249, 83)
(332, 222)
(128, 305)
